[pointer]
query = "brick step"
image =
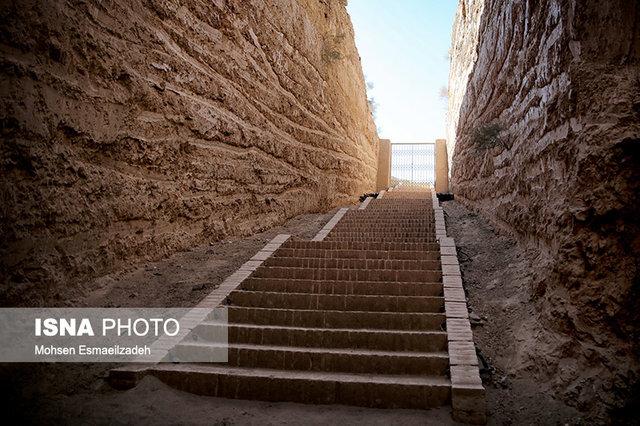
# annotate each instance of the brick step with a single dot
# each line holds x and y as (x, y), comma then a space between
(342, 287)
(389, 224)
(335, 302)
(407, 204)
(357, 254)
(380, 240)
(387, 215)
(382, 233)
(377, 222)
(351, 245)
(311, 262)
(337, 319)
(394, 204)
(365, 390)
(374, 208)
(390, 228)
(373, 213)
(388, 275)
(338, 360)
(349, 233)
(374, 339)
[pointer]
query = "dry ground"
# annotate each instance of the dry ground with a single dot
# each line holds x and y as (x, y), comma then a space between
(493, 267)
(496, 274)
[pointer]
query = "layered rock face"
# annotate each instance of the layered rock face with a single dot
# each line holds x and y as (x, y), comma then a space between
(547, 144)
(133, 129)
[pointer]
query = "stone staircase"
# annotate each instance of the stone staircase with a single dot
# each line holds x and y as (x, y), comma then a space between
(357, 318)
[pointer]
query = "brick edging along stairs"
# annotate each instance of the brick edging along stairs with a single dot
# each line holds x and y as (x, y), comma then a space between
(358, 316)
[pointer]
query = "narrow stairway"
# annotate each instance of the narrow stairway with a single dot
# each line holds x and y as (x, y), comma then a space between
(357, 318)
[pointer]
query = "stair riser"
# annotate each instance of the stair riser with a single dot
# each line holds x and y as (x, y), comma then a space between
(308, 391)
(388, 275)
(380, 233)
(342, 287)
(387, 214)
(391, 224)
(338, 319)
(388, 219)
(383, 246)
(337, 238)
(325, 338)
(336, 302)
(396, 232)
(388, 223)
(422, 265)
(356, 254)
(322, 361)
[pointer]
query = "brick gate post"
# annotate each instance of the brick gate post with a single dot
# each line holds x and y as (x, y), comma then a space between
(442, 166)
(384, 165)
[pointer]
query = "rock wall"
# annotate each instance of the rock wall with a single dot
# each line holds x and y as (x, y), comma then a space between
(134, 129)
(462, 54)
(547, 145)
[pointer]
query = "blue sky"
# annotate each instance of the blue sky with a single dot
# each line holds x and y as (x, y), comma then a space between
(404, 45)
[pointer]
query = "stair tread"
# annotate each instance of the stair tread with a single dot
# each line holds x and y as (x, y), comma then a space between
(344, 281)
(343, 351)
(336, 330)
(410, 380)
(267, 293)
(364, 268)
(340, 311)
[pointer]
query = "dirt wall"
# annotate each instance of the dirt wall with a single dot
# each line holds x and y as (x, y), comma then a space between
(547, 145)
(135, 129)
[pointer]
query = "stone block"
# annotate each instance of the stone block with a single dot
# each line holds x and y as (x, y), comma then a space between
(451, 270)
(447, 242)
(448, 251)
(449, 260)
(469, 403)
(452, 281)
(454, 294)
(456, 309)
(262, 255)
(462, 353)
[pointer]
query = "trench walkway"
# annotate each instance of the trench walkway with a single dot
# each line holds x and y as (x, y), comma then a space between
(356, 316)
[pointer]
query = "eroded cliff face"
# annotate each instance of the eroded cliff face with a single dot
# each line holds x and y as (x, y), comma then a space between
(133, 129)
(547, 144)
(463, 54)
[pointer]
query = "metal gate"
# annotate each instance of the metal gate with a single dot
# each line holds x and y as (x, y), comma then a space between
(413, 163)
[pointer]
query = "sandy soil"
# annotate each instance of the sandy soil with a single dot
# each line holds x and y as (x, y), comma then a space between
(152, 402)
(495, 270)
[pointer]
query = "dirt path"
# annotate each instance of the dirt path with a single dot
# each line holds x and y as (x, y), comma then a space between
(496, 276)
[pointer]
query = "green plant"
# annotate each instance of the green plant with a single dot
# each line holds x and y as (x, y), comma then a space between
(488, 136)
(331, 50)
(331, 55)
